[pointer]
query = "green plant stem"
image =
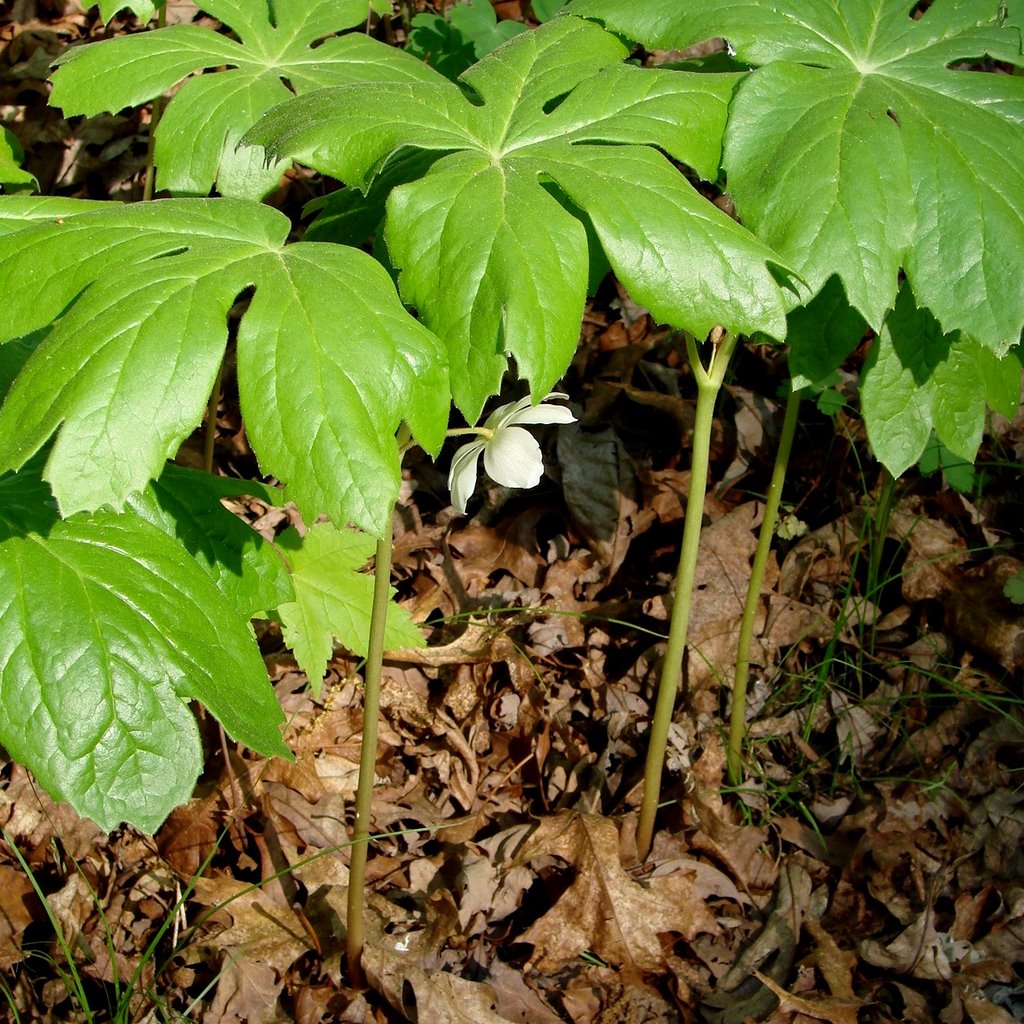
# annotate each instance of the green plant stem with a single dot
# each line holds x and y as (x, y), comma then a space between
(405, 12)
(154, 120)
(367, 762)
(879, 529)
(737, 719)
(709, 382)
(210, 427)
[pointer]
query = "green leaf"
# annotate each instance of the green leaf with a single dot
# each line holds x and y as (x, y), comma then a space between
(107, 629)
(959, 473)
(329, 362)
(487, 250)
(1014, 587)
(433, 40)
(1002, 376)
(348, 216)
(142, 9)
(13, 357)
(20, 212)
(861, 146)
(917, 378)
(822, 334)
(333, 599)
(543, 10)
(478, 22)
(452, 44)
(186, 505)
(12, 177)
(281, 50)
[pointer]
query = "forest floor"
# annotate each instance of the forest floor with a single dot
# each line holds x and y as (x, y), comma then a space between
(870, 868)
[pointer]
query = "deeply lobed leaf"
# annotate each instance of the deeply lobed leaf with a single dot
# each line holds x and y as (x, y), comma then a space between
(329, 362)
(246, 568)
(548, 129)
(861, 146)
(918, 379)
(284, 47)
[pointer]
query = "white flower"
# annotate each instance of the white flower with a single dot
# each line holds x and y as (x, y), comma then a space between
(511, 455)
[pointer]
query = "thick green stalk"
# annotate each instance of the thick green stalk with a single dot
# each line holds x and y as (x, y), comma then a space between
(154, 120)
(709, 382)
(367, 762)
(737, 720)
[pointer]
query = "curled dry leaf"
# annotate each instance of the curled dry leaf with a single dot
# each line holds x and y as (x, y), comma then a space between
(17, 911)
(741, 992)
(604, 909)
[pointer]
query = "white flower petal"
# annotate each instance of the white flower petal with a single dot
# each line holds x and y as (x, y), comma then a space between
(513, 458)
(462, 475)
(546, 414)
(505, 414)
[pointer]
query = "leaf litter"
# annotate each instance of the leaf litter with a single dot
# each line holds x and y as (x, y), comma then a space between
(870, 868)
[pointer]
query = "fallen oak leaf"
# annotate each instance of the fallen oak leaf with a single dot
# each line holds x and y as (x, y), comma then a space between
(604, 909)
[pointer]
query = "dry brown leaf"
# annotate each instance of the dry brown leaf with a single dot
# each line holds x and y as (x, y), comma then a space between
(835, 1011)
(246, 992)
(261, 931)
(18, 905)
(604, 909)
(190, 833)
(756, 430)
(483, 551)
(919, 951)
(428, 995)
(405, 966)
(28, 814)
(981, 1011)
(740, 992)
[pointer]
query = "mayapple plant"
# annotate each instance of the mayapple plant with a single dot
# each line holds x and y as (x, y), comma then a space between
(863, 145)
(497, 202)
(541, 166)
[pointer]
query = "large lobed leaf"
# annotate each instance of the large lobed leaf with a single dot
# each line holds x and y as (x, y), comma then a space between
(283, 47)
(860, 146)
(549, 133)
(329, 362)
(107, 629)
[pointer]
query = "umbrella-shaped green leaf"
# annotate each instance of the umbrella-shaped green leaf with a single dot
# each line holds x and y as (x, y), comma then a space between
(283, 47)
(333, 599)
(863, 144)
(488, 248)
(107, 629)
(329, 362)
